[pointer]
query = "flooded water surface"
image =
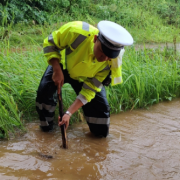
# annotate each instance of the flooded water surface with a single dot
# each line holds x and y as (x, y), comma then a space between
(142, 145)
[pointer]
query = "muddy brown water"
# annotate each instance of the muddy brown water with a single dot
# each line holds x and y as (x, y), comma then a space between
(142, 145)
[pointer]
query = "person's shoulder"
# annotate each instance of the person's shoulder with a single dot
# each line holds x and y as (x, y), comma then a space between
(82, 27)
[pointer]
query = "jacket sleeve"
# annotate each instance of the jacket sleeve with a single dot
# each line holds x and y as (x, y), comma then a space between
(58, 41)
(93, 85)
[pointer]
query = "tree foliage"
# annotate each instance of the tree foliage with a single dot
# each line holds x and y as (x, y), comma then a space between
(127, 12)
(12, 10)
(37, 10)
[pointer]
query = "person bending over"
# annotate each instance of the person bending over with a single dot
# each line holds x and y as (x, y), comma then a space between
(88, 58)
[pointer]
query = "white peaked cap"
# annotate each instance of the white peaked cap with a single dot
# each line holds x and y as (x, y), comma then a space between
(115, 34)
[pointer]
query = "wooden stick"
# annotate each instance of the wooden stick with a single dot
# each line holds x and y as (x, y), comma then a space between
(63, 128)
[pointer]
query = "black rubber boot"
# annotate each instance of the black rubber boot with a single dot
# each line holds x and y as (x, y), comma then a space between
(48, 128)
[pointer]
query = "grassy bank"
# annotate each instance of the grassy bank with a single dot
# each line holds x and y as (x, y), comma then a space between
(147, 21)
(22, 35)
(149, 76)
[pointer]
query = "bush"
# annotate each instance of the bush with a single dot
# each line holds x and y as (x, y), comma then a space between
(16, 11)
(128, 12)
(168, 11)
(38, 10)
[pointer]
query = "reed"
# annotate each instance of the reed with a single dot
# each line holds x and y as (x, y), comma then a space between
(150, 76)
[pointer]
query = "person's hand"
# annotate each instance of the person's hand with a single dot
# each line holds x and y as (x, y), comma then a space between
(58, 78)
(65, 120)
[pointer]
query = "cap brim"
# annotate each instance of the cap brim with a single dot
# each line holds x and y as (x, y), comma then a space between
(109, 52)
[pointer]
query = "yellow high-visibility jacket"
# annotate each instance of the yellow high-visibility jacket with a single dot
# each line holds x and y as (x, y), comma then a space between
(73, 45)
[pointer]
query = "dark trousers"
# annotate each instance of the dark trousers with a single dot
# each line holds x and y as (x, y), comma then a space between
(97, 112)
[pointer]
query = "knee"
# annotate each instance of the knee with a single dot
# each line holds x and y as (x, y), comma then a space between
(107, 109)
(99, 130)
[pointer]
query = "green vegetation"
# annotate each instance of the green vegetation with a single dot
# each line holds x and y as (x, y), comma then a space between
(32, 20)
(149, 76)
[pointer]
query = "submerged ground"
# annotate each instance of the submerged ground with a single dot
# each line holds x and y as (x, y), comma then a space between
(143, 144)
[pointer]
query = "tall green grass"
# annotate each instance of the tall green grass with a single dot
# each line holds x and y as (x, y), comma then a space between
(149, 76)
(10, 118)
(18, 82)
(147, 21)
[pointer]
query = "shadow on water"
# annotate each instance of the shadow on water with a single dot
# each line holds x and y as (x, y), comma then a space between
(143, 145)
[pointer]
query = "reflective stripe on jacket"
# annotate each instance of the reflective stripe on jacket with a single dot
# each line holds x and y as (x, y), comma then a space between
(73, 45)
